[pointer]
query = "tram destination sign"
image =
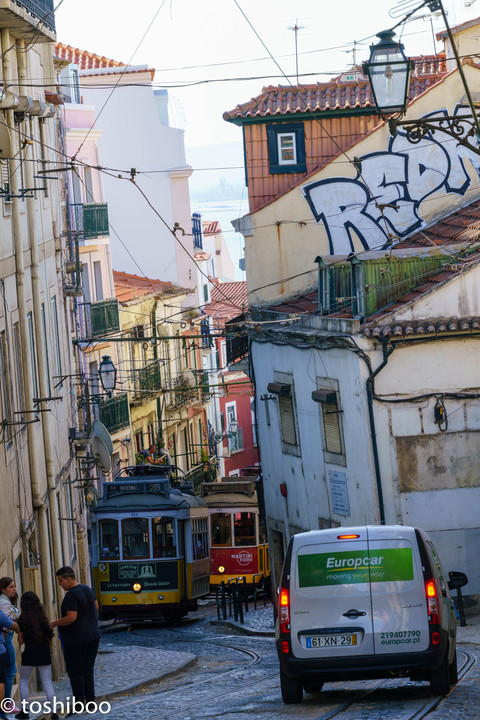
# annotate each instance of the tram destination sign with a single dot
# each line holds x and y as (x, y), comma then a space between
(115, 577)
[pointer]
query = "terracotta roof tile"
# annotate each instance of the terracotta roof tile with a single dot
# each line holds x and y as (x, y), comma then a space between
(84, 59)
(228, 300)
(211, 227)
(461, 226)
(333, 95)
(130, 287)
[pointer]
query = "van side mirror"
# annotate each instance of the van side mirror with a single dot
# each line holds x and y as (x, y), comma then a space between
(457, 580)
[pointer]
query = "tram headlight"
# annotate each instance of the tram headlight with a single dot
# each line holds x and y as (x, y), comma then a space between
(114, 599)
(137, 587)
(221, 569)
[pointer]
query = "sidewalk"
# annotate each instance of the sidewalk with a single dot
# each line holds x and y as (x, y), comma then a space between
(120, 669)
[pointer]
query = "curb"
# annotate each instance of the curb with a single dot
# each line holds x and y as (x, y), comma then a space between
(243, 629)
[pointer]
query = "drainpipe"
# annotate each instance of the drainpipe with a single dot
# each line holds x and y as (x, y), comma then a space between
(153, 321)
(40, 339)
(370, 396)
(320, 288)
(38, 503)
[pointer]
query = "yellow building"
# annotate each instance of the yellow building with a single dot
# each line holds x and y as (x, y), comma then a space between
(161, 377)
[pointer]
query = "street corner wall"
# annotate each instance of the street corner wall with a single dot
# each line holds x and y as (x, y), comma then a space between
(439, 489)
(394, 189)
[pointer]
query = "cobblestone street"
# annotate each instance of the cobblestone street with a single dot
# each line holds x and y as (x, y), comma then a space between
(207, 668)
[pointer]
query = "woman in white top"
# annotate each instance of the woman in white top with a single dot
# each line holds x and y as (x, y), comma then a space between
(8, 600)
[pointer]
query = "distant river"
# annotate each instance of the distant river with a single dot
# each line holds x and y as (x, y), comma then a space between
(225, 211)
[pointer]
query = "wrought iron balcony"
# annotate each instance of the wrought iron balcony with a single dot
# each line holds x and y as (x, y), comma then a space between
(148, 380)
(204, 472)
(42, 12)
(114, 413)
(89, 219)
(99, 318)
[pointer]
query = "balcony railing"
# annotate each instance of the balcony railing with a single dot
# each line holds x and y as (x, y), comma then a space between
(181, 392)
(89, 219)
(40, 9)
(148, 380)
(205, 472)
(99, 318)
(203, 381)
(114, 413)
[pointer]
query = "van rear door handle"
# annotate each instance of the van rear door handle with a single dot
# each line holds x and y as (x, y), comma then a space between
(354, 614)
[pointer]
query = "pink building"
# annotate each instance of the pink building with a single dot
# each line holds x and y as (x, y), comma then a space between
(236, 430)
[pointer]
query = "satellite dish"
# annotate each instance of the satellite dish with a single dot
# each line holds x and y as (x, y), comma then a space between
(102, 446)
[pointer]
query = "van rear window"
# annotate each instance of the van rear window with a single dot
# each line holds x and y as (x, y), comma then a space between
(355, 566)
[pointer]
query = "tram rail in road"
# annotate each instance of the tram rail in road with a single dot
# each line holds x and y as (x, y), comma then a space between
(212, 689)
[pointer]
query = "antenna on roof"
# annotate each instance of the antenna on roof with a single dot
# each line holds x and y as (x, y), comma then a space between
(295, 29)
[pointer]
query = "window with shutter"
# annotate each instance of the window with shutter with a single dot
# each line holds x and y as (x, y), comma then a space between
(287, 420)
(327, 395)
(283, 389)
(331, 427)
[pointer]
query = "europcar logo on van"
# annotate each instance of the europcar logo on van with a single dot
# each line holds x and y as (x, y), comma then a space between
(356, 566)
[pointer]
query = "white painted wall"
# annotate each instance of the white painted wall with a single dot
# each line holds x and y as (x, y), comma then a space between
(306, 476)
(134, 137)
(430, 478)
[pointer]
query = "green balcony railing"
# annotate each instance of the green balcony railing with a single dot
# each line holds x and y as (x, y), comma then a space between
(149, 380)
(114, 413)
(204, 472)
(103, 317)
(89, 219)
(43, 10)
(203, 381)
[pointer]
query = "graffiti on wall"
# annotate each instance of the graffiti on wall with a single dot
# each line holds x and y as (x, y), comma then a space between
(383, 202)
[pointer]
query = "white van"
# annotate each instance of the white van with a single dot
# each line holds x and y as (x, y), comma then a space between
(365, 602)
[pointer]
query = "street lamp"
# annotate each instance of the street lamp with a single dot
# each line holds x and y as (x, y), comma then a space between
(108, 374)
(388, 71)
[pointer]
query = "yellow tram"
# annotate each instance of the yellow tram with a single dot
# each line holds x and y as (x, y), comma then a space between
(149, 547)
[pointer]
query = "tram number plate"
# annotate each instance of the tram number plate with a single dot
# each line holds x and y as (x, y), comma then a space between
(345, 640)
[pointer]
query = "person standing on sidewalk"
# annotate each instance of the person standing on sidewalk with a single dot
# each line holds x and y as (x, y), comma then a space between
(8, 605)
(8, 624)
(36, 636)
(79, 634)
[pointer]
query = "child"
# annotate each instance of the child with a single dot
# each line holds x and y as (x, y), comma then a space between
(36, 635)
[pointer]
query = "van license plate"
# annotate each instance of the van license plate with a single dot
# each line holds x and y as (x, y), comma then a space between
(345, 640)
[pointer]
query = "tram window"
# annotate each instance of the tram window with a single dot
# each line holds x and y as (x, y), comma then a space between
(244, 528)
(199, 538)
(164, 537)
(135, 538)
(221, 530)
(109, 547)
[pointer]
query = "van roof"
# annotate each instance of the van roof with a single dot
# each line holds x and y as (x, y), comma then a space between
(371, 532)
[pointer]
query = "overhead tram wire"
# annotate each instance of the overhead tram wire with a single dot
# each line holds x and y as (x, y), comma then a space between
(71, 167)
(341, 150)
(104, 170)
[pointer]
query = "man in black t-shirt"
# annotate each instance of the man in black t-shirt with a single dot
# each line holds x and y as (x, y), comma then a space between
(79, 632)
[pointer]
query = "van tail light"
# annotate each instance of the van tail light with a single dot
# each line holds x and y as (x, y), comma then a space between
(284, 611)
(432, 602)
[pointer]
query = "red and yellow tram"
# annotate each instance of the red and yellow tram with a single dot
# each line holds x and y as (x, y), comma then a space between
(238, 546)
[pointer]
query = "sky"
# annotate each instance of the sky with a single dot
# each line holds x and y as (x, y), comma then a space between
(223, 52)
